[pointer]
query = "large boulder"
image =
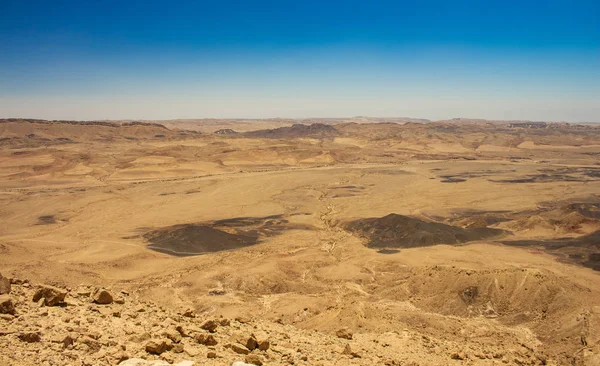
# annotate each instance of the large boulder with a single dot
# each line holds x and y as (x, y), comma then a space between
(6, 305)
(52, 295)
(4, 285)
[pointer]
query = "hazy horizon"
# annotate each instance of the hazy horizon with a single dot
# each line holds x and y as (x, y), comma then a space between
(436, 60)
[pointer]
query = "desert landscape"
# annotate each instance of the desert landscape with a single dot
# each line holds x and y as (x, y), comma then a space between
(357, 241)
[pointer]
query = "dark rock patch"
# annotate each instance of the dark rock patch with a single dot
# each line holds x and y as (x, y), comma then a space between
(46, 220)
(398, 231)
(221, 235)
(193, 239)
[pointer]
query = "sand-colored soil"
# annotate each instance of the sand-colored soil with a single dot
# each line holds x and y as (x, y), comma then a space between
(434, 244)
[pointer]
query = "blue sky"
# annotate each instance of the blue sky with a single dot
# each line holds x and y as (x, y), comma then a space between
(181, 59)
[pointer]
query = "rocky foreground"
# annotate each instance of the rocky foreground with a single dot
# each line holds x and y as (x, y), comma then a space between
(47, 325)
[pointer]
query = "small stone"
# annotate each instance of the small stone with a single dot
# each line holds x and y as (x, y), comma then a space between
(121, 356)
(243, 320)
(254, 359)
(181, 330)
(237, 348)
(225, 322)
(30, 337)
(210, 325)
(344, 333)
(173, 335)
(102, 297)
(189, 313)
(211, 354)
(157, 347)
(348, 351)
(52, 295)
(178, 348)
(6, 305)
(94, 345)
(251, 343)
(458, 356)
(206, 339)
(68, 340)
(264, 345)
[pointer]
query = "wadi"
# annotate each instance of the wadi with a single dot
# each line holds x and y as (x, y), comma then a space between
(356, 241)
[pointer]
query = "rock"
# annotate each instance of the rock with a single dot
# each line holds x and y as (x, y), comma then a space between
(264, 345)
(225, 322)
(30, 337)
(121, 356)
(251, 343)
(102, 297)
(237, 348)
(157, 347)
(348, 351)
(52, 295)
(173, 335)
(93, 344)
(210, 325)
(4, 285)
(344, 333)
(189, 313)
(206, 339)
(181, 330)
(68, 340)
(211, 354)
(243, 320)
(177, 348)
(254, 360)
(240, 363)
(6, 305)
(458, 356)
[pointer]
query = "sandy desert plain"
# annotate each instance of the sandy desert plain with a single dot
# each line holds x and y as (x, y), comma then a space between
(325, 242)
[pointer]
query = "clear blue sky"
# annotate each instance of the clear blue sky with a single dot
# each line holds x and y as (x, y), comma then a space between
(191, 59)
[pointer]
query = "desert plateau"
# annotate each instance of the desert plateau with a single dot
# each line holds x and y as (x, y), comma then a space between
(356, 241)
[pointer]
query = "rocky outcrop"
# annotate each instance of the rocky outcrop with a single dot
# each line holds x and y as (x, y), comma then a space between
(52, 295)
(137, 333)
(4, 285)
